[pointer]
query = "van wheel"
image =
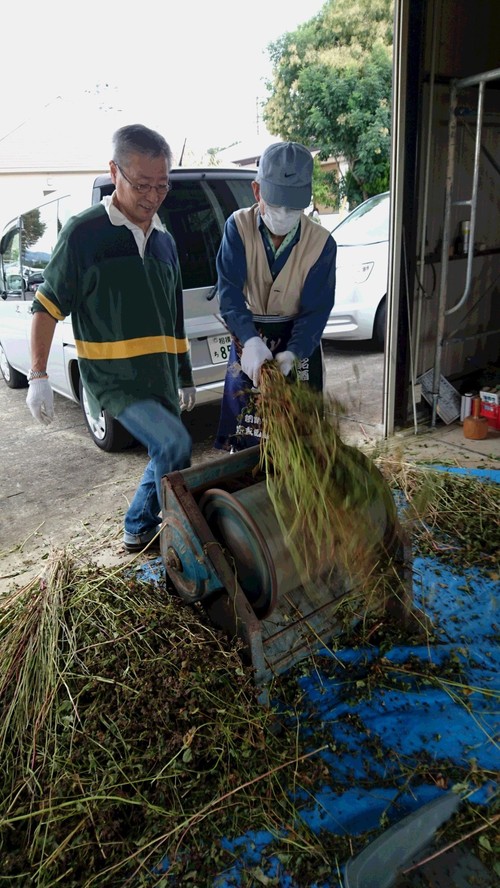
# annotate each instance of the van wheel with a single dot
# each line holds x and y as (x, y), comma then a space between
(379, 327)
(105, 431)
(13, 378)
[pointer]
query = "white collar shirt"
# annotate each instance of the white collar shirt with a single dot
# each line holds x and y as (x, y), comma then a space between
(116, 217)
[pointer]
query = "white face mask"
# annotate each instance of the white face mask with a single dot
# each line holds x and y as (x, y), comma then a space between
(280, 220)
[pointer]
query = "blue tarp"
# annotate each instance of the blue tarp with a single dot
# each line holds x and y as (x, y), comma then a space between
(423, 721)
(480, 474)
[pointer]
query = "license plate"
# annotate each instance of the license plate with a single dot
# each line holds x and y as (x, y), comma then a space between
(219, 348)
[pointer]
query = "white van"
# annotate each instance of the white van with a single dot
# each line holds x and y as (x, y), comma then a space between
(194, 211)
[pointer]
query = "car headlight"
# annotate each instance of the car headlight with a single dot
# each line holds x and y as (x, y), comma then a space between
(363, 272)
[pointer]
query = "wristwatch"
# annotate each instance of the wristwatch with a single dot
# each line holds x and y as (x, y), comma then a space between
(36, 374)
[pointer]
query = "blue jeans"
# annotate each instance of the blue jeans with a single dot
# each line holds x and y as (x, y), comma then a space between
(169, 447)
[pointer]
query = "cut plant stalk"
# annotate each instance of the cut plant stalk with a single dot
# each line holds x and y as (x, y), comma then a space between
(328, 496)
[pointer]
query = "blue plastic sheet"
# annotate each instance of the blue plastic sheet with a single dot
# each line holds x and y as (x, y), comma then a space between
(480, 474)
(421, 721)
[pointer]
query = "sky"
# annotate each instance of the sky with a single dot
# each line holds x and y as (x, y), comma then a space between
(192, 69)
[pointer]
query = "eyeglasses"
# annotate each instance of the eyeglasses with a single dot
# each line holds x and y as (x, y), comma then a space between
(143, 188)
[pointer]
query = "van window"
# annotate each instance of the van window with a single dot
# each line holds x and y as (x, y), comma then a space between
(195, 212)
(29, 242)
(11, 267)
(40, 232)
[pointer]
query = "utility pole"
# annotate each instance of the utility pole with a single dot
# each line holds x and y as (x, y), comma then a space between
(182, 152)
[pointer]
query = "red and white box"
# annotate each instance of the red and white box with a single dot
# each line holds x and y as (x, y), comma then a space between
(490, 406)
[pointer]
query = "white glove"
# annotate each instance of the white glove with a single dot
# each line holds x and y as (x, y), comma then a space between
(285, 361)
(40, 400)
(187, 398)
(255, 352)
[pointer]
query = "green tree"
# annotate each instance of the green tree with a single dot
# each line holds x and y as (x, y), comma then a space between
(325, 189)
(33, 228)
(331, 89)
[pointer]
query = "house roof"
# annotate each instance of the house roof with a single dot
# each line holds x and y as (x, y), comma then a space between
(247, 153)
(64, 136)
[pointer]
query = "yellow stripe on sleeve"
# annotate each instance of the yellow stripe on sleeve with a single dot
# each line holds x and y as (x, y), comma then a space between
(131, 348)
(49, 306)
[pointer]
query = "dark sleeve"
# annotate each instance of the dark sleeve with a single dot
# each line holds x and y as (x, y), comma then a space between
(58, 294)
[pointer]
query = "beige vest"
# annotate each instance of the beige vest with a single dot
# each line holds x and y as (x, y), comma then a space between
(281, 297)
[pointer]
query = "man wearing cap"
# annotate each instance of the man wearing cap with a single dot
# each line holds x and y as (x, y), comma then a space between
(276, 282)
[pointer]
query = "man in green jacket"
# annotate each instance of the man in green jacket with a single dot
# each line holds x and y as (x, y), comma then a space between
(115, 270)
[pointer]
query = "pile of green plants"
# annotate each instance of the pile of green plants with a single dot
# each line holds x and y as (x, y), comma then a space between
(330, 499)
(130, 732)
(453, 516)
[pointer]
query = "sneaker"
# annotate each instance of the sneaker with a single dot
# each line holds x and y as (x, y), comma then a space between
(134, 542)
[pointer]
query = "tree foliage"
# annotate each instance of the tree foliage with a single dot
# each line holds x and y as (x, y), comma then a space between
(331, 89)
(33, 228)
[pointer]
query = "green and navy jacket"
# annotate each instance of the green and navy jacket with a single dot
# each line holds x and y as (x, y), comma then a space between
(126, 311)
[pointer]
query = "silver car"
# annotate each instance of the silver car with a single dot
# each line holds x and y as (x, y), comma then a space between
(362, 264)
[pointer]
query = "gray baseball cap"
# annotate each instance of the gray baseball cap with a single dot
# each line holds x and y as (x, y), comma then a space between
(285, 175)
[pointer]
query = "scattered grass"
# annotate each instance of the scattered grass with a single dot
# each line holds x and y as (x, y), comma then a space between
(453, 516)
(129, 730)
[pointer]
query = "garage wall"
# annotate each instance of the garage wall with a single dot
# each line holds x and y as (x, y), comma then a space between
(467, 32)
(471, 334)
(443, 40)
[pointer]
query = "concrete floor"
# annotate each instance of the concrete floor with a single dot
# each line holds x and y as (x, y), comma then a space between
(443, 444)
(355, 375)
(447, 444)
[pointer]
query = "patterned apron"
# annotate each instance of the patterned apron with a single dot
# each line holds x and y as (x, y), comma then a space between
(239, 424)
